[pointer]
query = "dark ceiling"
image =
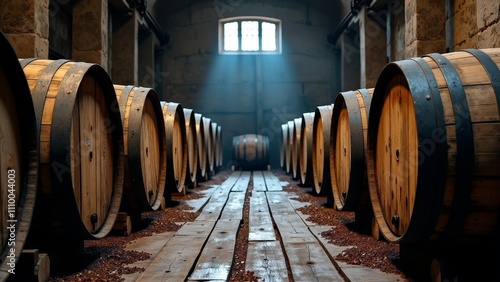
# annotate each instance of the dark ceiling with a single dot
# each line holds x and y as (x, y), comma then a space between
(332, 6)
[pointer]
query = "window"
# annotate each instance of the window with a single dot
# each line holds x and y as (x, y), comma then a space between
(250, 35)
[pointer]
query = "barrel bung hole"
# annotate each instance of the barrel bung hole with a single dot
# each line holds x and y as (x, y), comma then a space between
(345, 152)
(397, 155)
(91, 155)
(147, 151)
(395, 220)
(93, 218)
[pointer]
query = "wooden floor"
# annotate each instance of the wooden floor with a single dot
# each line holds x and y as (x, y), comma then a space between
(203, 250)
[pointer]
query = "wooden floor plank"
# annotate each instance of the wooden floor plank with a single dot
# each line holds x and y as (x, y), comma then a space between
(212, 210)
(267, 261)
(259, 184)
(279, 203)
(198, 204)
(151, 245)
(309, 262)
(196, 228)
(175, 260)
(272, 181)
(292, 229)
(296, 206)
(216, 258)
(260, 222)
(231, 180)
(290, 225)
(234, 206)
(241, 184)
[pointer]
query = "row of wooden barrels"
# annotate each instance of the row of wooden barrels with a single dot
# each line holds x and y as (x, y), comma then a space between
(421, 149)
(76, 149)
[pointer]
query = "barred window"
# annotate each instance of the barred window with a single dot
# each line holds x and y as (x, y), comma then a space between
(250, 35)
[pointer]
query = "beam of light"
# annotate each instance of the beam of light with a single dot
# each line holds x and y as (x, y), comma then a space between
(251, 94)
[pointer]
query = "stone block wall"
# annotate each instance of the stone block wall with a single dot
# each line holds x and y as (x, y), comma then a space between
(26, 26)
(90, 32)
(425, 27)
(476, 24)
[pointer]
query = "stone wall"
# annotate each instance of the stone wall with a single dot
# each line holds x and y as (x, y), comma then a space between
(476, 24)
(26, 26)
(248, 93)
(91, 31)
(425, 27)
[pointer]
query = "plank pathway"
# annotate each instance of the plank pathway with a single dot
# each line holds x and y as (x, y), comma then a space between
(203, 250)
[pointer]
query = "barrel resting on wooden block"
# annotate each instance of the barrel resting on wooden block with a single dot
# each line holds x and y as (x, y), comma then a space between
(33, 266)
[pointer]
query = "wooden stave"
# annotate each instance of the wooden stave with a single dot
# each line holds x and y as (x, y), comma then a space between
(283, 145)
(207, 124)
(267, 155)
(202, 149)
(296, 147)
(192, 146)
(135, 174)
(215, 141)
(173, 116)
(305, 149)
(426, 224)
(219, 148)
(289, 148)
(27, 168)
(322, 119)
(358, 115)
(70, 219)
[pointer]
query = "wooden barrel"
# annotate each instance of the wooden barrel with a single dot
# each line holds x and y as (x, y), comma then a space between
(192, 144)
(81, 145)
(207, 126)
(283, 145)
(145, 146)
(347, 149)
(434, 147)
(175, 129)
(289, 147)
(297, 125)
(305, 149)
(321, 149)
(202, 148)
(251, 151)
(19, 157)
